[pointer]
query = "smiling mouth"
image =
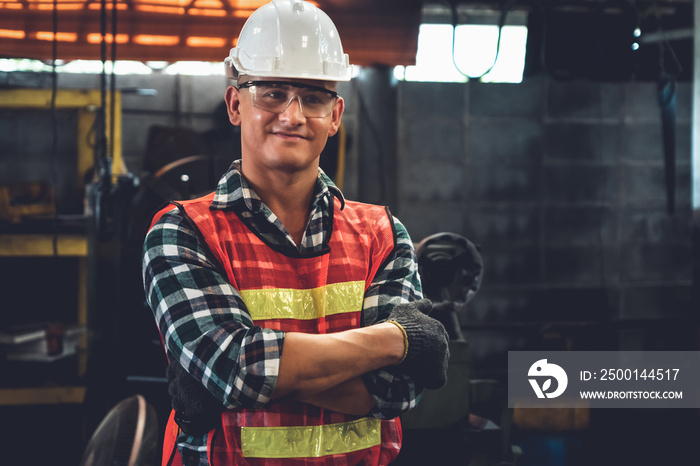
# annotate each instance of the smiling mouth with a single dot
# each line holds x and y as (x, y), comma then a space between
(284, 135)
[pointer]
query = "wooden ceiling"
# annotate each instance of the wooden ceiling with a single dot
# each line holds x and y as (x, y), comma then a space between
(373, 32)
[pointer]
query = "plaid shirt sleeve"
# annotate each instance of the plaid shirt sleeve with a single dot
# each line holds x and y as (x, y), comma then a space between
(396, 282)
(203, 321)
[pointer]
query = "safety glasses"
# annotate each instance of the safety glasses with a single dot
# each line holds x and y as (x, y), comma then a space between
(276, 96)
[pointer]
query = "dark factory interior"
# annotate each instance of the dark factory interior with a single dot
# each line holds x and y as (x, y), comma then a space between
(558, 211)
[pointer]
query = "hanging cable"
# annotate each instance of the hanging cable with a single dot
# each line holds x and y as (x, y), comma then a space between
(101, 154)
(112, 82)
(364, 111)
(666, 94)
(102, 190)
(505, 8)
(54, 125)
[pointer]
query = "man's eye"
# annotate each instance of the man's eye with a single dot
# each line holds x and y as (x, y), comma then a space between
(275, 95)
(313, 99)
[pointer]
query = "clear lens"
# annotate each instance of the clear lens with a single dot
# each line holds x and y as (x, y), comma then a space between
(276, 97)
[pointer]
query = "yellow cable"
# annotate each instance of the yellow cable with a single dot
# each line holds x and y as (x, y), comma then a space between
(340, 170)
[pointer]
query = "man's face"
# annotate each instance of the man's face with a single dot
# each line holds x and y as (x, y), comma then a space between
(288, 140)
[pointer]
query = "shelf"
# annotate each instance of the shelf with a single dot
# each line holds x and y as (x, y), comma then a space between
(38, 240)
(33, 245)
(42, 395)
(86, 103)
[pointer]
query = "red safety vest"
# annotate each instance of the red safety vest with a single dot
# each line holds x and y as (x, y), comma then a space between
(318, 293)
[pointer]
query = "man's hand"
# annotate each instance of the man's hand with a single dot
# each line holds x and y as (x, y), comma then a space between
(196, 410)
(427, 348)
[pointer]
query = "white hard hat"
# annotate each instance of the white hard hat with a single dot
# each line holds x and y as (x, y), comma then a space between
(289, 39)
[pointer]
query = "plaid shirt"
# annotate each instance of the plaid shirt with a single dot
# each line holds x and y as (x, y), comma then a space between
(203, 320)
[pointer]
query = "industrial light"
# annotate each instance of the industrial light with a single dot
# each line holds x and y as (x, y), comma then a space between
(12, 34)
(60, 36)
(476, 48)
(96, 38)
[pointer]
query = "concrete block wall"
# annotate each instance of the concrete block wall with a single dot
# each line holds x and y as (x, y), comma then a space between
(562, 184)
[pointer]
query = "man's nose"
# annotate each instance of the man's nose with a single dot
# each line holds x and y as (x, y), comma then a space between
(294, 110)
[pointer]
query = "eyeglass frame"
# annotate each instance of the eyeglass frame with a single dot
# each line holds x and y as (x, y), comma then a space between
(249, 84)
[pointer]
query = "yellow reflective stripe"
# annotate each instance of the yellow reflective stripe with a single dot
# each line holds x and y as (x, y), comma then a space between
(310, 441)
(287, 303)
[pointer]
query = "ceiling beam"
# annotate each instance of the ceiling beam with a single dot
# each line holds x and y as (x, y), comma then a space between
(380, 35)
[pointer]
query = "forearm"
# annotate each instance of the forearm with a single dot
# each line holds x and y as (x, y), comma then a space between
(203, 320)
(311, 364)
(351, 397)
(396, 283)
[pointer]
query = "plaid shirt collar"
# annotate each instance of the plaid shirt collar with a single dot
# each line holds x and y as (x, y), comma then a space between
(233, 193)
(233, 189)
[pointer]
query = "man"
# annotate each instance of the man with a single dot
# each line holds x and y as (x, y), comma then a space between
(291, 317)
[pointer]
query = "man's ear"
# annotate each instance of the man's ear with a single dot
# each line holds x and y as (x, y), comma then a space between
(336, 115)
(233, 103)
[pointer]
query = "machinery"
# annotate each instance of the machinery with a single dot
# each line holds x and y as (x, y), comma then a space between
(127, 436)
(452, 425)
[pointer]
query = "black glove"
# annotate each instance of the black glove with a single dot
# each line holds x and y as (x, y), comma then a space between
(197, 411)
(428, 351)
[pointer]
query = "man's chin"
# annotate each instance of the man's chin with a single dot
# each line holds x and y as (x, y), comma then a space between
(292, 162)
